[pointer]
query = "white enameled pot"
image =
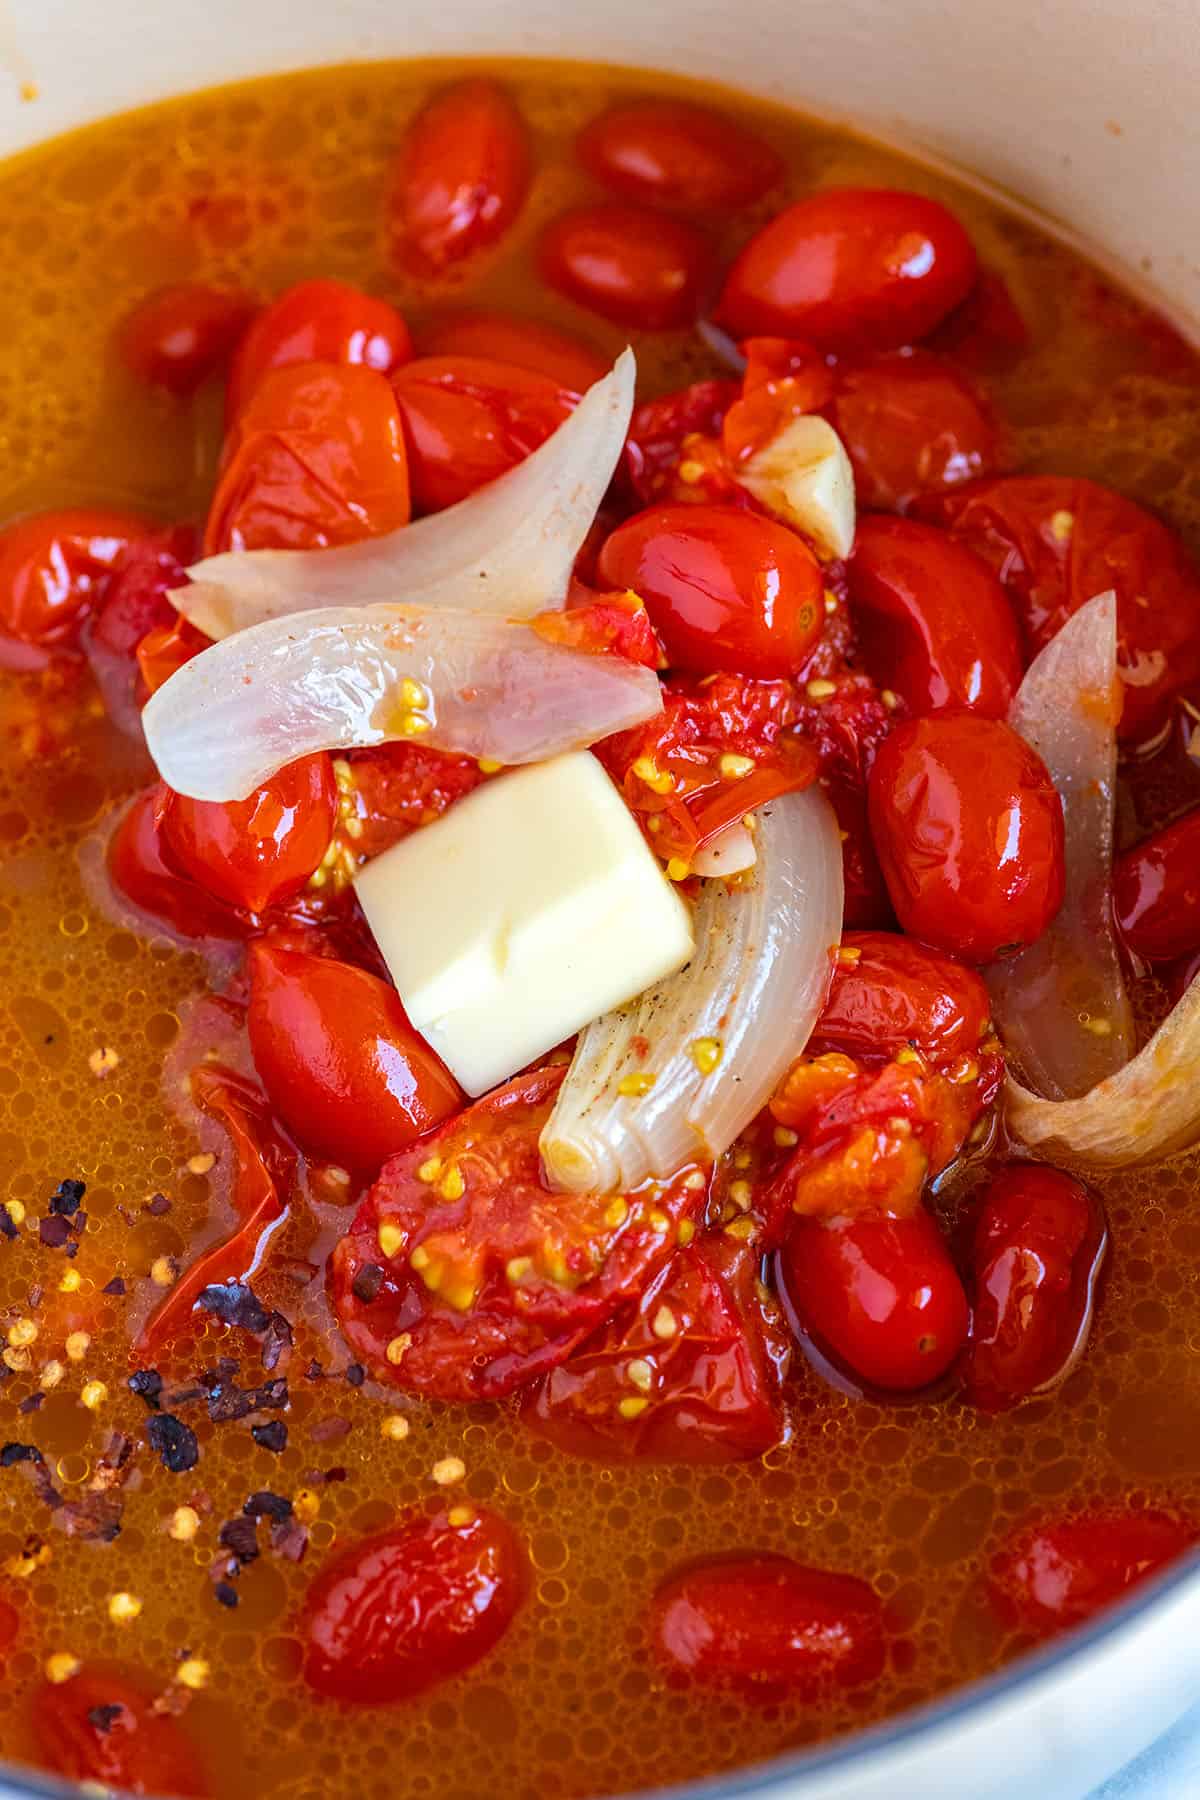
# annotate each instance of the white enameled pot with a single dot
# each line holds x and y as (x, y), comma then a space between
(1085, 109)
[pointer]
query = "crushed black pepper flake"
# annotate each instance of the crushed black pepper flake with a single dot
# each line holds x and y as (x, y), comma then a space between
(147, 1384)
(289, 1539)
(271, 1436)
(30, 1403)
(174, 1442)
(19, 1453)
(54, 1231)
(240, 1537)
(314, 1371)
(235, 1304)
(66, 1197)
(266, 1505)
(356, 1374)
(226, 1401)
(183, 1396)
(103, 1718)
(8, 1228)
(116, 1287)
(226, 1593)
(157, 1206)
(338, 1474)
(367, 1282)
(278, 1339)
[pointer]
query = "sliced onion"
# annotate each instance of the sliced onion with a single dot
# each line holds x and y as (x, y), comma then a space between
(728, 853)
(749, 997)
(1061, 1005)
(508, 549)
(352, 676)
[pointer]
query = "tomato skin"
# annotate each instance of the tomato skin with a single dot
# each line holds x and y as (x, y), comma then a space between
(911, 425)
(139, 869)
(140, 1752)
(1156, 892)
(135, 604)
(462, 176)
(932, 621)
(766, 1627)
(527, 343)
(394, 789)
(396, 1614)
(1039, 1240)
(629, 265)
(467, 420)
(317, 321)
(178, 337)
(255, 853)
(1063, 1571)
(345, 1070)
(673, 154)
(880, 1293)
(850, 269)
(896, 994)
(164, 650)
(658, 439)
(54, 567)
(969, 831)
(724, 589)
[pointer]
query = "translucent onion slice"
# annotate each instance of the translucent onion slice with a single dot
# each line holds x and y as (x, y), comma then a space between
(508, 549)
(728, 853)
(352, 676)
(717, 1036)
(1061, 1006)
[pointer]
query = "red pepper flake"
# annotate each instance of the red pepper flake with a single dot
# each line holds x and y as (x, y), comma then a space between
(103, 1718)
(266, 1505)
(115, 1287)
(174, 1442)
(226, 1593)
(157, 1206)
(272, 1436)
(147, 1384)
(11, 1454)
(66, 1197)
(235, 1304)
(54, 1231)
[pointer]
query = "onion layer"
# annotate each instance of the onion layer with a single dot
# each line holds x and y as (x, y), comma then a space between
(347, 677)
(717, 1036)
(508, 549)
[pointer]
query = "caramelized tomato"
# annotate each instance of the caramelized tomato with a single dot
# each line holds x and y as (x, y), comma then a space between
(1057, 1574)
(462, 175)
(662, 431)
(912, 425)
(102, 1726)
(318, 321)
(54, 569)
(467, 420)
(673, 154)
(631, 266)
(890, 994)
(179, 337)
(254, 853)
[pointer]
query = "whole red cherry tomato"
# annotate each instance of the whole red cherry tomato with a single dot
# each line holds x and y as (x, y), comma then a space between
(179, 337)
(255, 853)
(1156, 892)
(315, 458)
(527, 343)
(1039, 1240)
(911, 425)
(54, 568)
(850, 269)
(101, 1726)
(969, 831)
(462, 175)
(881, 1295)
(888, 994)
(345, 1070)
(766, 1627)
(932, 622)
(628, 265)
(467, 420)
(987, 331)
(1055, 542)
(317, 321)
(724, 589)
(139, 870)
(1059, 1573)
(674, 154)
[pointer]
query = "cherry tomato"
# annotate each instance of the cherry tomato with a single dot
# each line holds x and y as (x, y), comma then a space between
(986, 332)
(467, 420)
(135, 603)
(850, 269)
(484, 1279)
(345, 1070)
(867, 903)
(846, 728)
(708, 1347)
(317, 321)
(315, 458)
(1055, 542)
(1039, 1241)
(165, 649)
(932, 621)
(462, 176)
(1156, 892)
(1063, 1571)
(662, 434)
(889, 994)
(138, 867)
(179, 337)
(629, 265)
(398, 1613)
(255, 853)
(969, 831)
(101, 1726)
(396, 788)
(673, 154)
(766, 1627)
(911, 425)
(725, 590)
(881, 1295)
(54, 569)
(527, 343)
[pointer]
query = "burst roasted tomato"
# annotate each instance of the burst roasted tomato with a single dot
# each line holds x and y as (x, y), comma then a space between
(101, 1726)
(345, 1070)
(135, 605)
(690, 1374)
(911, 425)
(890, 994)
(463, 1276)
(850, 269)
(396, 788)
(467, 420)
(317, 321)
(632, 266)
(1051, 1576)
(525, 343)
(255, 853)
(671, 153)
(843, 718)
(54, 570)
(664, 433)
(179, 337)
(969, 831)
(462, 175)
(1156, 892)
(140, 871)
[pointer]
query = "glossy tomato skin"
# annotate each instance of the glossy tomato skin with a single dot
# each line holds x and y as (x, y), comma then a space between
(317, 321)
(1156, 892)
(468, 419)
(462, 175)
(1039, 1240)
(135, 604)
(141, 872)
(630, 265)
(673, 154)
(880, 1294)
(912, 424)
(767, 1627)
(969, 832)
(525, 343)
(179, 337)
(850, 269)
(345, 1070)
(255, 853)
(724, 589)
(658, 441)
(101, 1726)
(54, 569)
(1051, 1576)
(399, 1613)
(933, 623)
(889, 994)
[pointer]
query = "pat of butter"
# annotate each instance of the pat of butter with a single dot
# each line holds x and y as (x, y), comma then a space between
(531, 908)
